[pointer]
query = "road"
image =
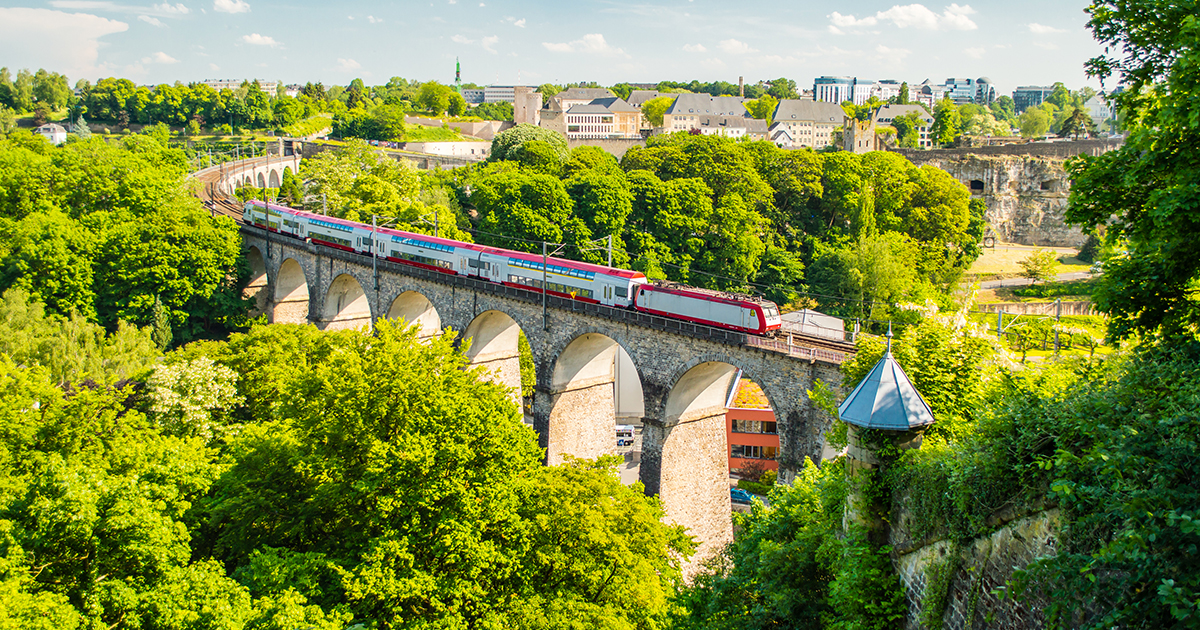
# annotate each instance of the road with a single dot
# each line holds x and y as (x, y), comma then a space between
(1020, 282)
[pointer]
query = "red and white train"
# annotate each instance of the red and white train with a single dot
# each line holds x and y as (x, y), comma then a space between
(565, 278)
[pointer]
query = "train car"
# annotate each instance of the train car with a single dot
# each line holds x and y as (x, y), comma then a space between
(711, 308)
(572, 279)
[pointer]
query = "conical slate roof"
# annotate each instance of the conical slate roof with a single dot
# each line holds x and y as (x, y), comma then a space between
(886, 399)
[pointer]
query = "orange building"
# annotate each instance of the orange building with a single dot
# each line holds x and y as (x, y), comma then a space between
(751, 431)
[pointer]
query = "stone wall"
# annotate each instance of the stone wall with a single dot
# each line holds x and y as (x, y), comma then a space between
(971, 575)
(616, 146)
(1026, 196)
(1050, 150)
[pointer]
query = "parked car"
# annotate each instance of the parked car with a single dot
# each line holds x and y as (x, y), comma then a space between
(737, 495)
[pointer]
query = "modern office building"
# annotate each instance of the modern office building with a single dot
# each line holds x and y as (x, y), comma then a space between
(1028, 96)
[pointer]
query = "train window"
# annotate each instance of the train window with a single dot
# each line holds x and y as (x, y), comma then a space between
(472, 263)
(622, 292)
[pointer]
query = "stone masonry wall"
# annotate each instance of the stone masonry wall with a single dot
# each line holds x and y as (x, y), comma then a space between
(1026, 196)
(978, 570)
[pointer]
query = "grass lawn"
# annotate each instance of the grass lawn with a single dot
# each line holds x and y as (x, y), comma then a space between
(1003, 261)
(420, 133)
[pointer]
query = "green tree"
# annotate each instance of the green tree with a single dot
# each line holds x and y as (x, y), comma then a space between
(783, 88)
(654, 109)
(526, 206)
(49, 256)
(903, 98)
(763, 108)
(1035, 122)
(1040, 265)
(1144, 192)
(1077, 124)
(908, 129)
(434, 97)
(946, 123)
(1060, 97)
(507, 141)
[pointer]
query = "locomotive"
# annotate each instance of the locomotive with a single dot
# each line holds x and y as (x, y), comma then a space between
(586, 282)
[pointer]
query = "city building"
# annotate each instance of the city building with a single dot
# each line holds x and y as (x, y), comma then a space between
(833, 89)
(888, 113)
(498, 94)
(886, 89)
(927, 93)
(608, 117)
(53, 132)
(473, 96)
(731, 126)
(807, 123)
(684, 114)
(1028, 96)
(961, 91)
(985, 92)
(750, 430)
(637, 98)
(841, 89)
(232, 84)
(1099, 109)
(570, 97)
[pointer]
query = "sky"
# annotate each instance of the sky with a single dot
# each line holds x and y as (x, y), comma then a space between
(506, 42)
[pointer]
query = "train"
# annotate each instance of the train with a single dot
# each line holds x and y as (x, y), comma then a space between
(586, 282)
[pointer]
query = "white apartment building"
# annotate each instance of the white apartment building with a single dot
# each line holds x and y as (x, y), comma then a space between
(232, 84)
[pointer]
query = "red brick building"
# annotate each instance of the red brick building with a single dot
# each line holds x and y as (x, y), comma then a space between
(751, 431)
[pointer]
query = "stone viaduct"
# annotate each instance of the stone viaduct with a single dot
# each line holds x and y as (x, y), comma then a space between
(685, 370)
(224, 179)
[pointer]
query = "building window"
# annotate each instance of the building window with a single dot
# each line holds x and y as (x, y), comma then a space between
(753, 452)
(754, 426)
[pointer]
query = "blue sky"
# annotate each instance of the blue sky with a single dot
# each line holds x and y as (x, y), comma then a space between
(1013, 42)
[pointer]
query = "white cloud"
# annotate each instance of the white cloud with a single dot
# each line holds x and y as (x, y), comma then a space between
(849, 21)
(592, 43)
(347, 65)
(694, 48)
(231, 6)
(167, 8)
(488, 43)
(974, 52)
(160, 57)
(1042, 29)
(892, 53)
(151, 20)
(374, 20)
(459, 39)
(514, 21)
(260, 40)
(68, 42)
(735, 47)
(214, 67)
(519, 23)
(918, 16)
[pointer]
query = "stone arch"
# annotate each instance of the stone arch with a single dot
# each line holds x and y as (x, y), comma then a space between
(257, 288)
(346, 304)
(273, 179)
(262, 182)
(291, 294)
(494, 345)
(584, 395)
(692, 453)
(413, 308)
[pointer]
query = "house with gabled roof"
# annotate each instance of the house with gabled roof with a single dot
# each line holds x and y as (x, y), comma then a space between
(808, 123)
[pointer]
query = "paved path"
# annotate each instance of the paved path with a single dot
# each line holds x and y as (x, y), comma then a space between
(1020, 282)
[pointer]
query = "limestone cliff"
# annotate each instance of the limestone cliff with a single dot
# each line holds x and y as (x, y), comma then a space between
(1026, 196)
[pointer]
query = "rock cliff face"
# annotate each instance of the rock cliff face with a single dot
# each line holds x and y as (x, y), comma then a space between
(1026, 196)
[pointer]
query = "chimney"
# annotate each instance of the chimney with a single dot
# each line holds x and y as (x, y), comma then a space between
(742, 87)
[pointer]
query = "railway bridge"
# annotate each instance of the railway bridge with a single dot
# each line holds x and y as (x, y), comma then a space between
(684, 370)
